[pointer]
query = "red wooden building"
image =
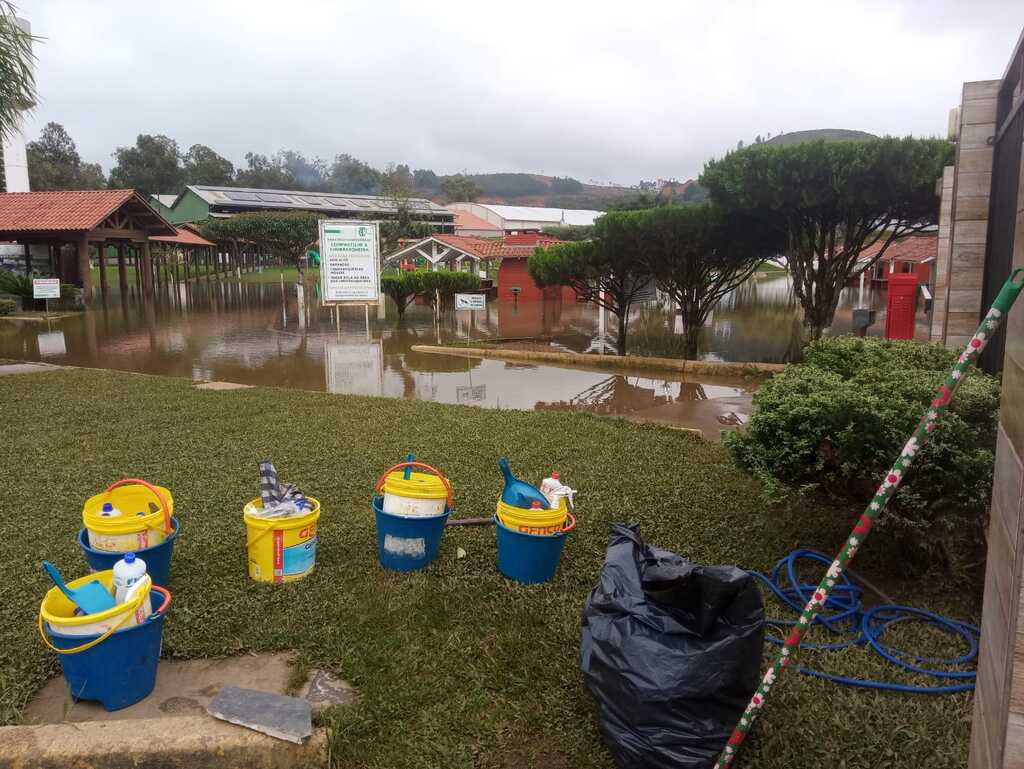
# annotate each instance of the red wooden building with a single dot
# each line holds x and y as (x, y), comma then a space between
(455, 252)
(914, 254)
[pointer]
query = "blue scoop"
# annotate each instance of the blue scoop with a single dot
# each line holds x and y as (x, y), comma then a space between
(91, 597)
(519, 493)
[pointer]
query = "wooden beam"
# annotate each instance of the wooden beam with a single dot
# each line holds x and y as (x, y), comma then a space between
(108, 233)
(122, 272)
(101, 251)
(147, 270)
(84, 272)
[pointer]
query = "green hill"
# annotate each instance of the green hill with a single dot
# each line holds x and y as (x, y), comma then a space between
(824, 134)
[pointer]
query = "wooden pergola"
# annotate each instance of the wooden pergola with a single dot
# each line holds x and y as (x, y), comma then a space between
(84, 218)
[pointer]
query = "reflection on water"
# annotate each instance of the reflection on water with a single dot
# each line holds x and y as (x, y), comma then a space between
(278, 334)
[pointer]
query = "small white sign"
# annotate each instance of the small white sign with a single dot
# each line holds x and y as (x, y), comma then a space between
(46, 288)
(470, 302)
(51, 344)
(349, 261)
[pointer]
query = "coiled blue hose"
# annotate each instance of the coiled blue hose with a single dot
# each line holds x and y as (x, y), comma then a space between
(843, 615)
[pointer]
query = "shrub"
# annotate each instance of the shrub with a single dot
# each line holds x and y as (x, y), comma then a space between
(447, 283)
(15, 284)
(8, 306)
(837, 421)
(401, 287)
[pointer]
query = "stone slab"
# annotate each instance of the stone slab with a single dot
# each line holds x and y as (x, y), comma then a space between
(183, 688)
(151, 743)
(277, 715)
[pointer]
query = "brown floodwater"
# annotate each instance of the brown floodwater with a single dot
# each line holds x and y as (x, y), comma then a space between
(278, 334)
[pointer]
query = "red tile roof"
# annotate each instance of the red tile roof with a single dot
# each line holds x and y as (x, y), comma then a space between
(186, 237)
(49, 211)
(486, 248)
(913, 248)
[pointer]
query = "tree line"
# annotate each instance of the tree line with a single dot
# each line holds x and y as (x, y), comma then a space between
(157, 164)
(818, 206)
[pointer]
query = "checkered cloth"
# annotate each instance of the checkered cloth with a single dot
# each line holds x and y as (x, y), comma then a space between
(279, 499)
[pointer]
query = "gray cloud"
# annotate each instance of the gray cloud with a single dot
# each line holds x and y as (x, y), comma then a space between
(635, 91)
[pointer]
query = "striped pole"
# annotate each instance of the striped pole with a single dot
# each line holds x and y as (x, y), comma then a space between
(891, 481)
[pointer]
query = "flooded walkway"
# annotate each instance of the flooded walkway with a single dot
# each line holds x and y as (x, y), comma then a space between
(279, 335)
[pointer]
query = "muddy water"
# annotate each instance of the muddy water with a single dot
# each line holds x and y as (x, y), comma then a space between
(279, 334)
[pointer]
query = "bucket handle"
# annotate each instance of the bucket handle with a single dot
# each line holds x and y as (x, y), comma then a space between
(124, 618)
(152, 488)
(434, 470)
(571, 526)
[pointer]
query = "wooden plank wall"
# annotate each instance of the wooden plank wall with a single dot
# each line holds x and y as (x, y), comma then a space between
(997, 737)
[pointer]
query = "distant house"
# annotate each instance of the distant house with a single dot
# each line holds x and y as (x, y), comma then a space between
(512, 220)
(455, 252)
(912, 254)
(198, 202)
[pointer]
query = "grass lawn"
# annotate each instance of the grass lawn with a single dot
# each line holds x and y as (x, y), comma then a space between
(455, 666)
(273, 275)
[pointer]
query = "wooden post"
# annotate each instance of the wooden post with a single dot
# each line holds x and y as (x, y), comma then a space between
(28, 260)
(147, 269)
(137, 263)
(102, 259)
(84, 266)
(122, 272)
(186, 253)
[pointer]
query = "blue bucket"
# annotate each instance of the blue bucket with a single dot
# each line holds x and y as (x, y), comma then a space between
(157, 558)
(527, 558)
(120, 670)
(407, 543)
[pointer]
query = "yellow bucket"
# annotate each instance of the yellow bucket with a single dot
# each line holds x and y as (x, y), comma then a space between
(281, 549)
(543, 521)
(138, 526)
(58, 612)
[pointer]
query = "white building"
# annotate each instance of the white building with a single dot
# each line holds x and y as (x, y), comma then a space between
(513, 220)
(14, 176)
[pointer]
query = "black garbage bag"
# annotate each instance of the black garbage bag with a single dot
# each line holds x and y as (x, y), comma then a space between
(672, 652)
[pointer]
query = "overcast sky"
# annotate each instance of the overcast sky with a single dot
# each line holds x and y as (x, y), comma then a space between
(620, 94)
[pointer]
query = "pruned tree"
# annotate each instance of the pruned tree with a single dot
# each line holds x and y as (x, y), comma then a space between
(699, 254)
(831, 201)
(606, 270)
(285, 234)
(17, 83)
(402, 287)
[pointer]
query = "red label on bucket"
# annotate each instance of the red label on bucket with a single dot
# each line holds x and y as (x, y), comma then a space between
(278, 555)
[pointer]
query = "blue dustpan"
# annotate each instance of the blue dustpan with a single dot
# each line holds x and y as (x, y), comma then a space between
(91, 597)
(519, 493)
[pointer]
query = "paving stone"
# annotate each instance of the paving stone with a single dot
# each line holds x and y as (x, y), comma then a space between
(287, 718)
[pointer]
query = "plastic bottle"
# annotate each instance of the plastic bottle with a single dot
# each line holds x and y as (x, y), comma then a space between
(549, 484)
(146, 607)
(127, 572)
(109, 511)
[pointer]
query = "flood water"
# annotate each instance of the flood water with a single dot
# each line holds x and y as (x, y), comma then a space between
(278, 334)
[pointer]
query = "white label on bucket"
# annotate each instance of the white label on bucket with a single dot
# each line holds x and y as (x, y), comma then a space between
(416, 547)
